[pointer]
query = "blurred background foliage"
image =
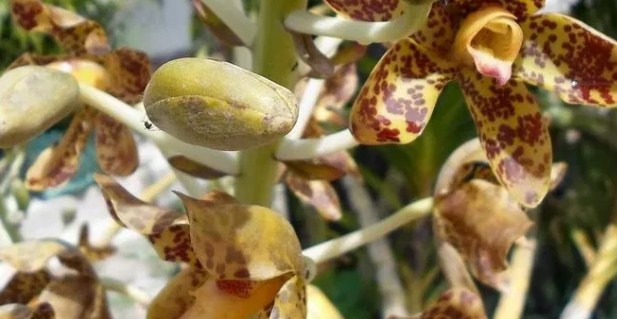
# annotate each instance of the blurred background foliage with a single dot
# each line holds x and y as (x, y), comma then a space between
(585, 203)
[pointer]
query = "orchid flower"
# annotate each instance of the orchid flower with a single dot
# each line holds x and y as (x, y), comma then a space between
(491, 48)
(123, 73)
(241, 260)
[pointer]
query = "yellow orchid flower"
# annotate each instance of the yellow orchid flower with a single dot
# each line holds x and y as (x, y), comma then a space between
(123, 73)
(491, 47)
(241, 260)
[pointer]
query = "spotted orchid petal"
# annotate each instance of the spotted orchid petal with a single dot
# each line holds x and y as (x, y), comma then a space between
(241, 242)
(491, 39)
(176, 297)
(24, 286)
(18, 311)
(290, 301)
(564, 55)
(512, 133)
(116, 150)
(75, 33)
(368, 10)
(398, 98)
(166, 229)
(57, 164)
(519, 8)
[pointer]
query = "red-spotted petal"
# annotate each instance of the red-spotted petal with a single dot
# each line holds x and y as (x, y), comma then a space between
(513, 134)
(368, 10)
(398, 99)
(520, 8)
(570, 58)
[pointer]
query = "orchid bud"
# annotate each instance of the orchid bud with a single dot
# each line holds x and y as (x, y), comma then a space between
(218, 105)
(32, 99)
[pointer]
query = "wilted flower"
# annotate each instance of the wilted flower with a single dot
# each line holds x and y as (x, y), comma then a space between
(241, 259)
(123, 73)
(491, 47)
(476, 214)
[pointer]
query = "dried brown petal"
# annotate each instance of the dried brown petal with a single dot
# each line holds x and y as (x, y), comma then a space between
(317, 193)
(314, 171)
(482, 222)
(91, 252)
(337, 92)
(24, 286)
(57, 164)
(455, 303)
(188, 166)
(134, 213)
(116, 151)
(75, 33)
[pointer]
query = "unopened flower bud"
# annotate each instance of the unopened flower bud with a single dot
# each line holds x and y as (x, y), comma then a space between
(218, 105)
(32, 99)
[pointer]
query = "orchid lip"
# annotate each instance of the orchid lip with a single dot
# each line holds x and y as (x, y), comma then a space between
(489, 39)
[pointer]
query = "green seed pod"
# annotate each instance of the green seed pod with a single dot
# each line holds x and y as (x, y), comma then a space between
(218, 105)
(32, 99)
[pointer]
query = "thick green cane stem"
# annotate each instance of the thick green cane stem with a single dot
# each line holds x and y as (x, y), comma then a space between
(274, 57)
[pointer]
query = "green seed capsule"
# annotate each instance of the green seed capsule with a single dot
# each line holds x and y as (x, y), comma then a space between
(218, 105)
(32, 99)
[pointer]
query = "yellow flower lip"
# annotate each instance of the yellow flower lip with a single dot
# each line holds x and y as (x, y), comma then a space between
(85, 71)
(491, 39)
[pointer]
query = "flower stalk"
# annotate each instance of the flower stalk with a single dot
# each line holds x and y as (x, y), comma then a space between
(303, 21)
(344, 244)
(274, 57)
(219, 160)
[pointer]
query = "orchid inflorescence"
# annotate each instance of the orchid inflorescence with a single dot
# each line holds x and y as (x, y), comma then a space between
(238, 257)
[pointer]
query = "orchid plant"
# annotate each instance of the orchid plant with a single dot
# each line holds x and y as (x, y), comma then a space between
(279, 115)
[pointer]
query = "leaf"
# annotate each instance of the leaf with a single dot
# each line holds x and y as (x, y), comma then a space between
(241, 242)
(482, 222)
(188, 166)
(318, 193)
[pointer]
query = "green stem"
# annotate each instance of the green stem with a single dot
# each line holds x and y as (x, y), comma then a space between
(274, 57)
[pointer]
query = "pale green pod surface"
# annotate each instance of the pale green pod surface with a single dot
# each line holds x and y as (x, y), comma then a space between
(32, 99)
(218, 105)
